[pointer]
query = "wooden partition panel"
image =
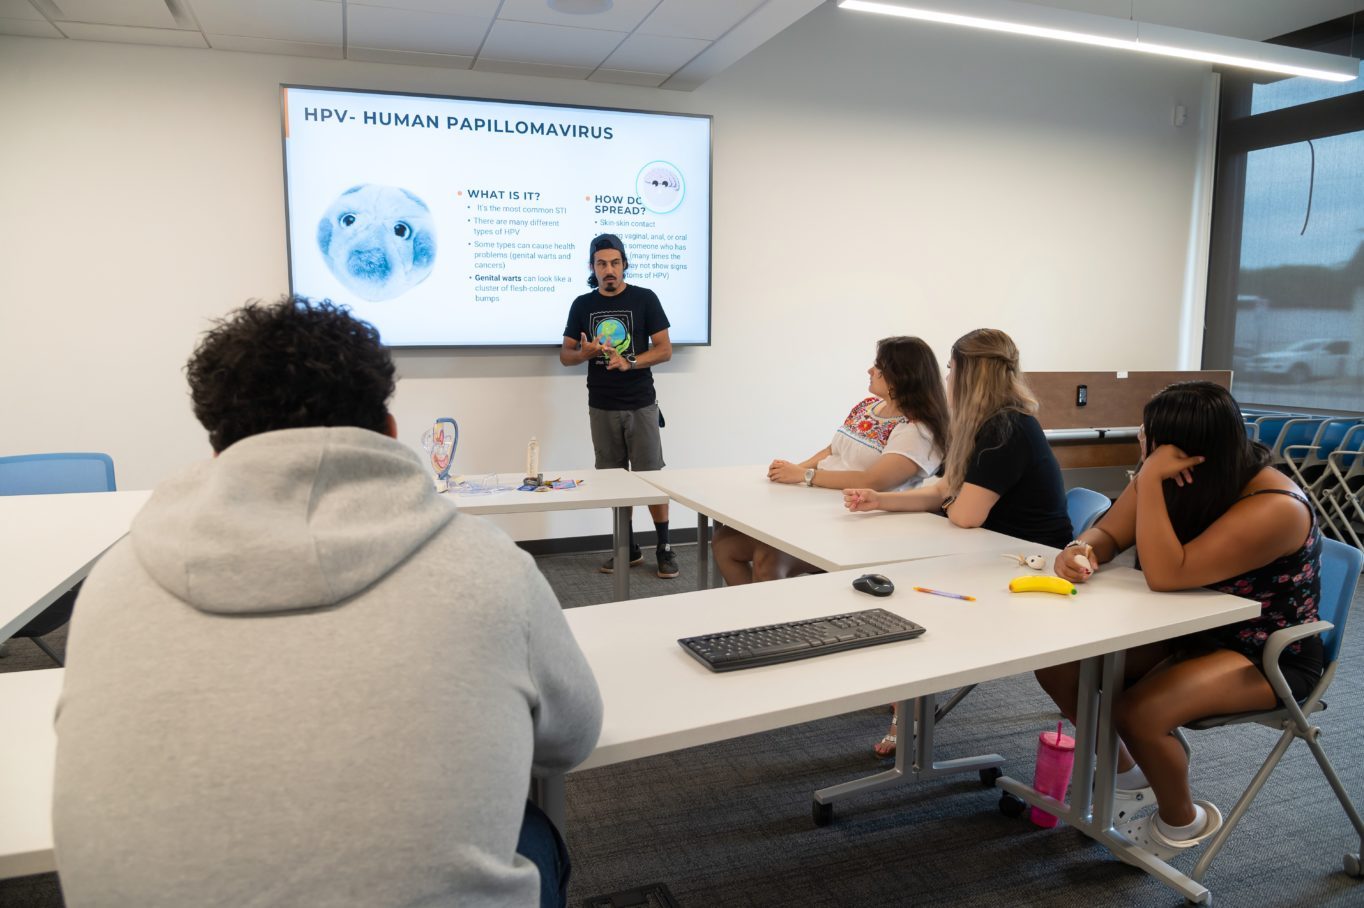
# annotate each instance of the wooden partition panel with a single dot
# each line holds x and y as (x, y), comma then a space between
(1114, 400)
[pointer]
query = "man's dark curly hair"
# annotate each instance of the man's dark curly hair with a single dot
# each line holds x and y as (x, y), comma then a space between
(291, 364)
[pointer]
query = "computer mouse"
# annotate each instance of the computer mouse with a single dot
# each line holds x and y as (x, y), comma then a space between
(875, 584)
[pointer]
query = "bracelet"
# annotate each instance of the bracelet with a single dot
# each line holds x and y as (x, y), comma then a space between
(947, 503)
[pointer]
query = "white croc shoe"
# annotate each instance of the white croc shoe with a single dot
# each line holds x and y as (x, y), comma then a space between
(1128, 802)
(1145, 834)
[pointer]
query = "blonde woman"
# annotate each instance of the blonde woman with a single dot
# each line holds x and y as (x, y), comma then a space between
(999, 472)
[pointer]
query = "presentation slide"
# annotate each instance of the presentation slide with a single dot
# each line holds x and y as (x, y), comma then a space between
(452, 222)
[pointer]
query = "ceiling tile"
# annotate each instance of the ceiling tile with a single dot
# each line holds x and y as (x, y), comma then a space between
(623, 77)
(768, 20)
(140, 13)
(29, 28)
(414, 30)
(623, 16)
(272, 46)
(654, 53)
(121, 34)
(529, 42)
(479, 8)
(19, 9)
(532, 69)
(407, 57)
(303, 21)
(697, 18)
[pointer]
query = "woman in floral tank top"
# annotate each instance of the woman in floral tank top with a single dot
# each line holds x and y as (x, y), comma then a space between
(1205, 509)
(894, 439)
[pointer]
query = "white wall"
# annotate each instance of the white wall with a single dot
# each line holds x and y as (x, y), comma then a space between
(871, 178)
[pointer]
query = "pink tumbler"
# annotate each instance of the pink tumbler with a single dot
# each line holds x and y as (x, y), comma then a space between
(1055, 760)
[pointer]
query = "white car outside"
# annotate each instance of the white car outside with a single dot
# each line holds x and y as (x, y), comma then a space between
(1307, 359)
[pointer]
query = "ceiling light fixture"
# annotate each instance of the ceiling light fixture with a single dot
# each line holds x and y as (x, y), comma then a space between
(579, 7)
(1125, 34)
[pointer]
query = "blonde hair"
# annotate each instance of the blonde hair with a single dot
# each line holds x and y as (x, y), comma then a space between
(986, 382)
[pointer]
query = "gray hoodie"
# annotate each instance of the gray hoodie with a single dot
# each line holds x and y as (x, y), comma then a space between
(303, 679)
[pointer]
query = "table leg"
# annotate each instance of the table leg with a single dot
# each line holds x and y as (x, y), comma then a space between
(716, 579)
(1092, 785)
(913, 756)
(621, 538)
(702, 552)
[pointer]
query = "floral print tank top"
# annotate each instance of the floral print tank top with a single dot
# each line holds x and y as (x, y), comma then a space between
(1287, 588)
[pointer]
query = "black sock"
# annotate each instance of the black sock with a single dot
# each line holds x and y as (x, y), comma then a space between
(633, 548)
(662, 530)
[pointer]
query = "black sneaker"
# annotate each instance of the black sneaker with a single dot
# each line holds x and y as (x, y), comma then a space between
(636, 557)
(667, 563)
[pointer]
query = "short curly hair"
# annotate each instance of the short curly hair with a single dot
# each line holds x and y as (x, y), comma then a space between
(290, 364)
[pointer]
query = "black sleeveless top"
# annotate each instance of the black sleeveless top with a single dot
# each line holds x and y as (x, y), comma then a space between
(1287, 588)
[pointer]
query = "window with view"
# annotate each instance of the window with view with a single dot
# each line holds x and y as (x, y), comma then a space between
(1286, 282)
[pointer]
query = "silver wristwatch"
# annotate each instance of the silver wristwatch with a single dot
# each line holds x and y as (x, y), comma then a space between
(810, 476)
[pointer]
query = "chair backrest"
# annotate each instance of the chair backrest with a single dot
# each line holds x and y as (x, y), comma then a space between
(1340, 567)
(48, 474)
(1332, 433)
(1296, 432)
(1252, 430)
(1353, 441)
(1270, 426)
(1084, 507)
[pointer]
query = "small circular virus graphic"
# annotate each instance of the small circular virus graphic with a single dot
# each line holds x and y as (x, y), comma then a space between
(379, 241)
(661, 187)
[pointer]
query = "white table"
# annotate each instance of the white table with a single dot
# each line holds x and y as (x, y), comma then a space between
(28, 701)
(49, 542)
(619, 490)
(812, 524)
(658, 699)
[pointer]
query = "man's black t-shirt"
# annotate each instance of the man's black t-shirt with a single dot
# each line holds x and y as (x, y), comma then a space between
(1013, 459)
(627, 320)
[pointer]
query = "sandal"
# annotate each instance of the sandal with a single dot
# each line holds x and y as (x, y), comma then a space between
(1128, 802)
(886, 746)
(1145, 834)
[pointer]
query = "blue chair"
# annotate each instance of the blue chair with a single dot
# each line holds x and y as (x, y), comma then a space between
(1294, 433)
(1269, 428)
(1085, 506)
(51, 474)
(1309, 465)
(1340, 568)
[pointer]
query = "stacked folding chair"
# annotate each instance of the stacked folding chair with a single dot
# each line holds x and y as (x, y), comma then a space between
(1343, 494)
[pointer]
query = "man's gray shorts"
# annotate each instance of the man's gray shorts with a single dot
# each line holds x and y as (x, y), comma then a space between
(622, 438)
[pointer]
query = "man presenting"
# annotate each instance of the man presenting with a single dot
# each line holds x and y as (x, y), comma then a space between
(347, 684)
(620, 330)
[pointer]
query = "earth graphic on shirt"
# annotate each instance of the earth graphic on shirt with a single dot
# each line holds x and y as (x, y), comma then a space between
(612, 330)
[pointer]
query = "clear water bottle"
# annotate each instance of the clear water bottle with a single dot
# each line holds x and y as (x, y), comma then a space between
(533, 462)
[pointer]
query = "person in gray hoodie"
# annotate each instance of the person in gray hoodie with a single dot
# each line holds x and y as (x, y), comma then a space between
(303, 678)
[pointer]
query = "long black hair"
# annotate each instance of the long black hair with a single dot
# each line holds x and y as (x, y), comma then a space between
(915, 383)
(1201, 419)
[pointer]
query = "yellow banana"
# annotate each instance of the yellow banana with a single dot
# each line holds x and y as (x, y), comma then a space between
(1037, 584)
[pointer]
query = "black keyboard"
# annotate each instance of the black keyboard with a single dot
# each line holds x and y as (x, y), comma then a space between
(753, 646)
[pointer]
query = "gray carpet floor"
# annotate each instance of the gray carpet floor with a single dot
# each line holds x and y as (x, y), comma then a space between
(729, 824)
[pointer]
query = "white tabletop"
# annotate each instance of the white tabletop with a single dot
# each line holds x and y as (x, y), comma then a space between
(600, 489)
(28, 701)
(659, 699)
(51, 541)
(812, 524)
